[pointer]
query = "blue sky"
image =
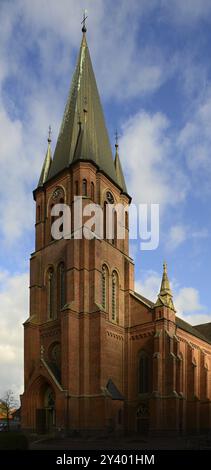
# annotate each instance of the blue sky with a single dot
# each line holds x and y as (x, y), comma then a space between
(152, 64)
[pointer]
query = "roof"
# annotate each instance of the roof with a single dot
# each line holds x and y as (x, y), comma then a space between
(204, 329)
(202, 332)
(83, 135)
(55, 370)
(113, 391)
(193, 330)
(143, 299)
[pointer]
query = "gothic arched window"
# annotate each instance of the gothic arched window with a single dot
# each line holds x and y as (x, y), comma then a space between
(54, 354)
(105, 287)
(50, 293)
(104, 220)
(52, 218)
(114, 239)
(61, 286)
(143, 373)
(92, 191)
(84, 187)
(115, 296)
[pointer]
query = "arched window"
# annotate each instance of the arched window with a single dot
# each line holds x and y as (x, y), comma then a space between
(50, 293)
(54, 354)
(84, 187)
(61, 201)
(52, 218)
(114, 239)
(61, 285)
(143, 373)
(105, 287)
(92, 191)
(104, 220)
(179, 374)
(115, 296)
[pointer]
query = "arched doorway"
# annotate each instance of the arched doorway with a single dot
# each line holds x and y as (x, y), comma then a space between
(49, 402)
(45, 414)
(142, 419)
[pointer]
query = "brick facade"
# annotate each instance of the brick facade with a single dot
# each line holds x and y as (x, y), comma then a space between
(144, 370)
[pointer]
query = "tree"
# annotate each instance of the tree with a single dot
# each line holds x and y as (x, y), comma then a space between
(7, 405)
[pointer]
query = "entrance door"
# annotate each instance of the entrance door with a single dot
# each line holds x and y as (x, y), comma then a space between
(45, 417)
(41, 421)
(49, 409)
(142, 419)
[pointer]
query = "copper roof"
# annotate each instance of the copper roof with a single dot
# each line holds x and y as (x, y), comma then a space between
(83, 135)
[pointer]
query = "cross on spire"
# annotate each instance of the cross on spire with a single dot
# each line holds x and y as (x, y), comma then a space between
(116, 139)
(49, 134)
(83, 22)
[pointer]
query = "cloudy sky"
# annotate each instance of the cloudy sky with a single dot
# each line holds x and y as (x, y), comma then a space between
(152, 63)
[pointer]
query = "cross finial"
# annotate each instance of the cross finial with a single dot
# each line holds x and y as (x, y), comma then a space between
(116, 139)
(165, 267)
(49, 134)
(83, 22)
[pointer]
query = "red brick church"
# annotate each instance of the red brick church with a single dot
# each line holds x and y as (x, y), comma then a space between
(98, 355)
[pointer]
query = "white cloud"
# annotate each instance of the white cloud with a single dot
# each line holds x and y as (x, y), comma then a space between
(197, 318)
(150, 286)
(188, 11)
(187, 300)
(194, 141)
(54, 36)
(14, 310)
(178, 234)
(146, 150)
(189, 307)
(136, 68)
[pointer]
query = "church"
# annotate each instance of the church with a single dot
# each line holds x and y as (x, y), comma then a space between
(98, 356)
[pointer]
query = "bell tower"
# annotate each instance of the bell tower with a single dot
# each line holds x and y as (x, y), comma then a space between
(79, 287)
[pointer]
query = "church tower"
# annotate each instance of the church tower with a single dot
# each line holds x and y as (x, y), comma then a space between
(74, 353)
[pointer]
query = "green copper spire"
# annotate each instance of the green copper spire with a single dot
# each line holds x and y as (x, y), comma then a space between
(88, 141)
(47, 162)
(165, 297)
(118, 168)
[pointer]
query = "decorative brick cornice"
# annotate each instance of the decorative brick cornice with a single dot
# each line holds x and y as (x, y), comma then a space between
(192, 345)
(141, 335)
(114, 335)
(50, 332)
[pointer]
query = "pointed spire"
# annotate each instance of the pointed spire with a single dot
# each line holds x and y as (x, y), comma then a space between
(118, 167)
(165, 297)
(98, 148)
(165, 285)
(47, 161)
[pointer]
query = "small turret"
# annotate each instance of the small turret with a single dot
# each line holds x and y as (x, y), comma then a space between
(165, 297)
(47, 162)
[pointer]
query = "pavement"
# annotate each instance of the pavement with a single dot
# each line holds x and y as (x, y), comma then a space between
(102, 443)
